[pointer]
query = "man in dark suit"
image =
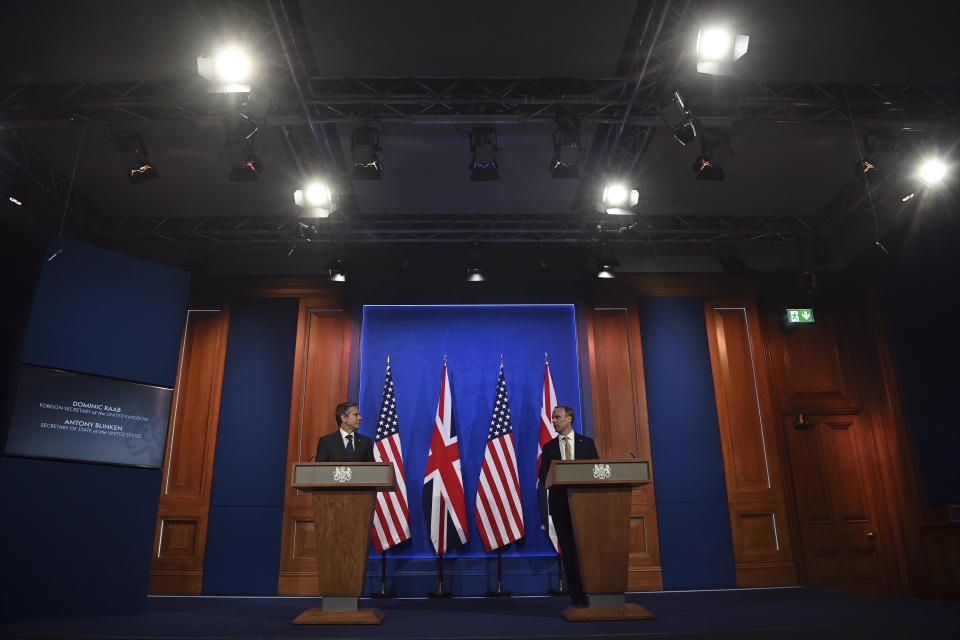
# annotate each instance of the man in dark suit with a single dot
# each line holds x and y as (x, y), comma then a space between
(345, 444)
(566, 446)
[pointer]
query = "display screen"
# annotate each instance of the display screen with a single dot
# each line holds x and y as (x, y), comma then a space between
(74, 416)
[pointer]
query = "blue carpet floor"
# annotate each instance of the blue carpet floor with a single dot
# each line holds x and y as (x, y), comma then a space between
(793, 613)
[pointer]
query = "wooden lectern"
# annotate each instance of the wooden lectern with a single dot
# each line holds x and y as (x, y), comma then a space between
(344, 494)
(599, 494)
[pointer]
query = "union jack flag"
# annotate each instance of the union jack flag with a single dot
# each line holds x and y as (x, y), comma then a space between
(547, 433)
(444, 505)
(391, 519)
(499, 513)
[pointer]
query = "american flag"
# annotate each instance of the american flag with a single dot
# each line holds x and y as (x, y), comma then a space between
(444, 505)
(391, 519)
(547, 433)
(499, 513)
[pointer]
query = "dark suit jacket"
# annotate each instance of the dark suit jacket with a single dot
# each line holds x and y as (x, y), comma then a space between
(583, 449)
(330, 448)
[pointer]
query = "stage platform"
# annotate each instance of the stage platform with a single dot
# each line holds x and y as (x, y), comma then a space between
(792, 613)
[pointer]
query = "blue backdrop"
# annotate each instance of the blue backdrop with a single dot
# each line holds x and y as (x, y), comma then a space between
(472, 337)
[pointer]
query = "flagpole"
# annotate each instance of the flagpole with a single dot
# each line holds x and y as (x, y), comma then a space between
(383, 579)
(440, 593)
(560, 591)
(499, 593)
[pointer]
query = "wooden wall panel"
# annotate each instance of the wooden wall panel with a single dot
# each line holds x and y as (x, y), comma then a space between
(748, 435)
(811, 368)
(941, 555)
(320, 377)
(621, 427)
(180, 539)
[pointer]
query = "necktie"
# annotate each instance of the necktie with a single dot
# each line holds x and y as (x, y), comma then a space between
(567, 449)
(350, 447)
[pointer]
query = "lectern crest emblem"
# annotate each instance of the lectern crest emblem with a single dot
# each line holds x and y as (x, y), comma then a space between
(342, 474)
(601, 471)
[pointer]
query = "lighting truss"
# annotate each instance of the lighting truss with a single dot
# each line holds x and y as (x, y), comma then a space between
(435, 228)
(487, 100)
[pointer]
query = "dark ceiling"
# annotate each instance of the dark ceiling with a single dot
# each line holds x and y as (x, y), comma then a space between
(819, 77)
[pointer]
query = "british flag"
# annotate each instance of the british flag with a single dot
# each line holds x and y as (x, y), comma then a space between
(444, 504)
(547, 433)
(499, 512)
(391, 518)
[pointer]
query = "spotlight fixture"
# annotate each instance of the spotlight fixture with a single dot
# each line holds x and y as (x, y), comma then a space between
(607, 267)
(475, 268)
(143, 170)
(718, 48)
(483, 147)
(365, 147)
(245, 165)
(566, 154)
(229, 71)
(617, 199)
(605, 262)
(336, 270)
(932, 172)
(475, 272)
(315, 200)
(714, 146)
(679, 118)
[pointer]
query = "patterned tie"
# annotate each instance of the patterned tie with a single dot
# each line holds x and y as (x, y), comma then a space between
(567, 449)
(350, 447)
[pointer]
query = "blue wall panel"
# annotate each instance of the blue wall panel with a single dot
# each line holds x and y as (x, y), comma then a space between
(101, 312)
(696, 545)
(246, 502)
(77, 537)
(472, 337)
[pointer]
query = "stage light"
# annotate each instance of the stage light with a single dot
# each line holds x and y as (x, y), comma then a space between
(337, 270)
(617, 199)
(679, 118)
(365, 147)
(229, 71)
(607, 267)
(715, 146)
(483, 147)
(566, 154)
(315, 200)
(718, 49)
(932, 171)
(142, 170)
(247, 167)
(475, 267)
(475, 272)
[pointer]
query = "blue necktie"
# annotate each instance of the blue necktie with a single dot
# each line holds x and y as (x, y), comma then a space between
(350, 447)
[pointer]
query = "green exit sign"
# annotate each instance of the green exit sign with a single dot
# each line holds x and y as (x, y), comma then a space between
(799, 316)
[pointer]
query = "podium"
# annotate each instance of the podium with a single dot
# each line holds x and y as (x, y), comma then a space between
(344, 495)
(599, 495)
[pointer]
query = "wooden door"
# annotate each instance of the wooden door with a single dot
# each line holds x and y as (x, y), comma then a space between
(832, 469)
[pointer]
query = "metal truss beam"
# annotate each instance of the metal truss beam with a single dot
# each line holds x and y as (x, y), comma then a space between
(455, 228)
(593, 100)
